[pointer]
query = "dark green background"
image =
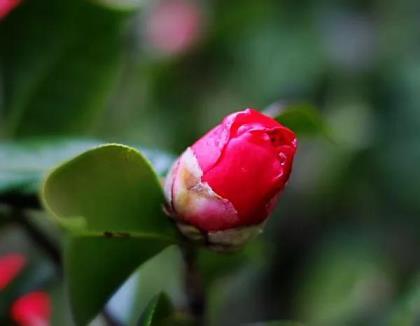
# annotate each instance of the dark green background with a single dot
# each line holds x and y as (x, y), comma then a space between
(342, 247)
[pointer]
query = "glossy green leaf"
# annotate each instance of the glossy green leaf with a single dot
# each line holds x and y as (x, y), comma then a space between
(97, 264)
(60, 61)
(304, 119)
(108, 188)
(113, 200)
(158, 311)
(24, 163)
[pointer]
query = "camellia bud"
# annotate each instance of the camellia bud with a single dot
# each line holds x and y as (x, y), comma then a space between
(221, 190)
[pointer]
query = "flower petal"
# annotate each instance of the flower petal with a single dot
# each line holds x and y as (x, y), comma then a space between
(195, 202)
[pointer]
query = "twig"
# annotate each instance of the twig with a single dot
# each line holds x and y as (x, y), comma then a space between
(193, 284)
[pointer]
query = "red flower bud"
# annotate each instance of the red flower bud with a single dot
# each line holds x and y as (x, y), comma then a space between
(6, 6)
(222, 188)
(10, 266)
(33, 309)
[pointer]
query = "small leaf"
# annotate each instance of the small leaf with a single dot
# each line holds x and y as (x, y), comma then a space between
(158, 311)
(304, 119)
(108, 188)
(96, 266)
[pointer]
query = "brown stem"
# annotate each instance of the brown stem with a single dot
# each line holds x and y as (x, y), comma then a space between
(193, 284)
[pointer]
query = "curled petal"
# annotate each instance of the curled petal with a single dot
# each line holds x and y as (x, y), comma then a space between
(194, 201)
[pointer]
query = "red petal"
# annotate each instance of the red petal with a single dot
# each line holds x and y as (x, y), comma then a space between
(253, 166)
(209, 147)
(10, 266)
(33, 309)
(6, 6)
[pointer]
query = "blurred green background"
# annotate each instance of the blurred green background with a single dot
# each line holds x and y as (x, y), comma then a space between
(342, 246)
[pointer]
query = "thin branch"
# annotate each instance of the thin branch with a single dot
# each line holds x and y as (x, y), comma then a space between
(193, 284)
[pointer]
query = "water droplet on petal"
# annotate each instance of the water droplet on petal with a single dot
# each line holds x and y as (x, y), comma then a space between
(282, 158)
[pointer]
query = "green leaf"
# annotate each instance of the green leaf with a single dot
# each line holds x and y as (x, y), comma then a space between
(304, 119)
(108, 188)
(24, 163)
(158, 311)
(96, 266)
(59, 66)
(113, 200)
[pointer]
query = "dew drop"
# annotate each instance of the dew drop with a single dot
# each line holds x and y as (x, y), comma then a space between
(282, 158)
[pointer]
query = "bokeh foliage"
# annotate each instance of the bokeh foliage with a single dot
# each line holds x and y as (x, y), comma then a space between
(341, 247)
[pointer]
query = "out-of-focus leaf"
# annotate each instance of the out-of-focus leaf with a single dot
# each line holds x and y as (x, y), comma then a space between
(160, 160)
(60, 60)
(23, 163)
(276, 323)
(407, 312)
(257, 50)
(347, 283)
(399, 177)
(158, 311)
(215, 266)
(121, 4)
(153, 278)
(304, 119)
(60, 314)
(97, 264)
(108, 188)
